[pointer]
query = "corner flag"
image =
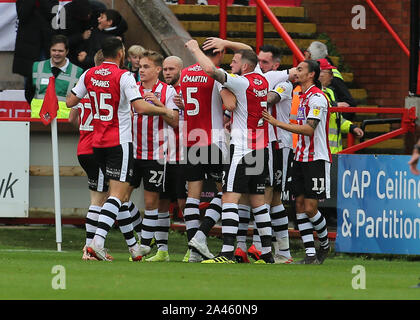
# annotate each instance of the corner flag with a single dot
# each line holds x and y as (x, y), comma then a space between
(50, 104)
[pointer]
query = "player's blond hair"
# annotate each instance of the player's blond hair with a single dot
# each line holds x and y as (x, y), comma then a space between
(154, 56)
(136, 50)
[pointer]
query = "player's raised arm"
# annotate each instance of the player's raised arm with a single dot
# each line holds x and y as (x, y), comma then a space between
(77, 93)
(205, 63)
(146, 108)
(307, 129)
(72, 100)
(219, 45)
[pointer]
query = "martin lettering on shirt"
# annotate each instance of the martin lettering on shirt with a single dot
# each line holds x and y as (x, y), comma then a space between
(188, 78)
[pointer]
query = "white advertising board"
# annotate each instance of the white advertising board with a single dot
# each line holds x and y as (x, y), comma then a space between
(14, 169)
(8, 25)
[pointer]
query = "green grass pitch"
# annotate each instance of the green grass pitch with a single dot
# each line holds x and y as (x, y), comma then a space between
(28, 256)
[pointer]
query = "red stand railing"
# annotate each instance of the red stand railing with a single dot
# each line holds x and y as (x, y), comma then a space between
(223, 19)
(388, 27)
(262, 9)
(395, 36)
(280, 29)
(350, 140)
(407, 125)
(260, 30)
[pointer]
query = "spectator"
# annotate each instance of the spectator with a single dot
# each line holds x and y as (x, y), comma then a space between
(33, 35)
(337, 124)
(415, 159)
(110, 24)
(65, 73)
(97, 9)
(318, 50)
(78, 26)
(135, 53)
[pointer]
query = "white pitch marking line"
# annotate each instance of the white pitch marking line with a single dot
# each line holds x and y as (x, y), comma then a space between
(28, 250)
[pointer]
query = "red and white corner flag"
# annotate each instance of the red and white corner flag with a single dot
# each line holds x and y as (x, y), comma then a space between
(49, 106)
(47, 114)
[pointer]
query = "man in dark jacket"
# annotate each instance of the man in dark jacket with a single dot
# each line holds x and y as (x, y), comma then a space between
(33, 34)
(81, 19)
(78, 29)
(110, 24)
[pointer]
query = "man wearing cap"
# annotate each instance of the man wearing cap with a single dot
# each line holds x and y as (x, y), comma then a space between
(337, 124)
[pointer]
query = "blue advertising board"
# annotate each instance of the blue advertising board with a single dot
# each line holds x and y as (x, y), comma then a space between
(378, 205)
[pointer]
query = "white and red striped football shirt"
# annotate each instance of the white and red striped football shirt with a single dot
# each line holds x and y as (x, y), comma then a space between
(111, 91)
(278, 79)
(313, 105)
(281, 111)
(175, 137)
(203, 112)
(249, 131)
(150, 132)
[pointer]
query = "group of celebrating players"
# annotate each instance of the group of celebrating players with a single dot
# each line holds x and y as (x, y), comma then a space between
(201, 123)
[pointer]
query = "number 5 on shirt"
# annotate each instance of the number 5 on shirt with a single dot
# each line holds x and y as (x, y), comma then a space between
(102, 106)
(193, 101)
